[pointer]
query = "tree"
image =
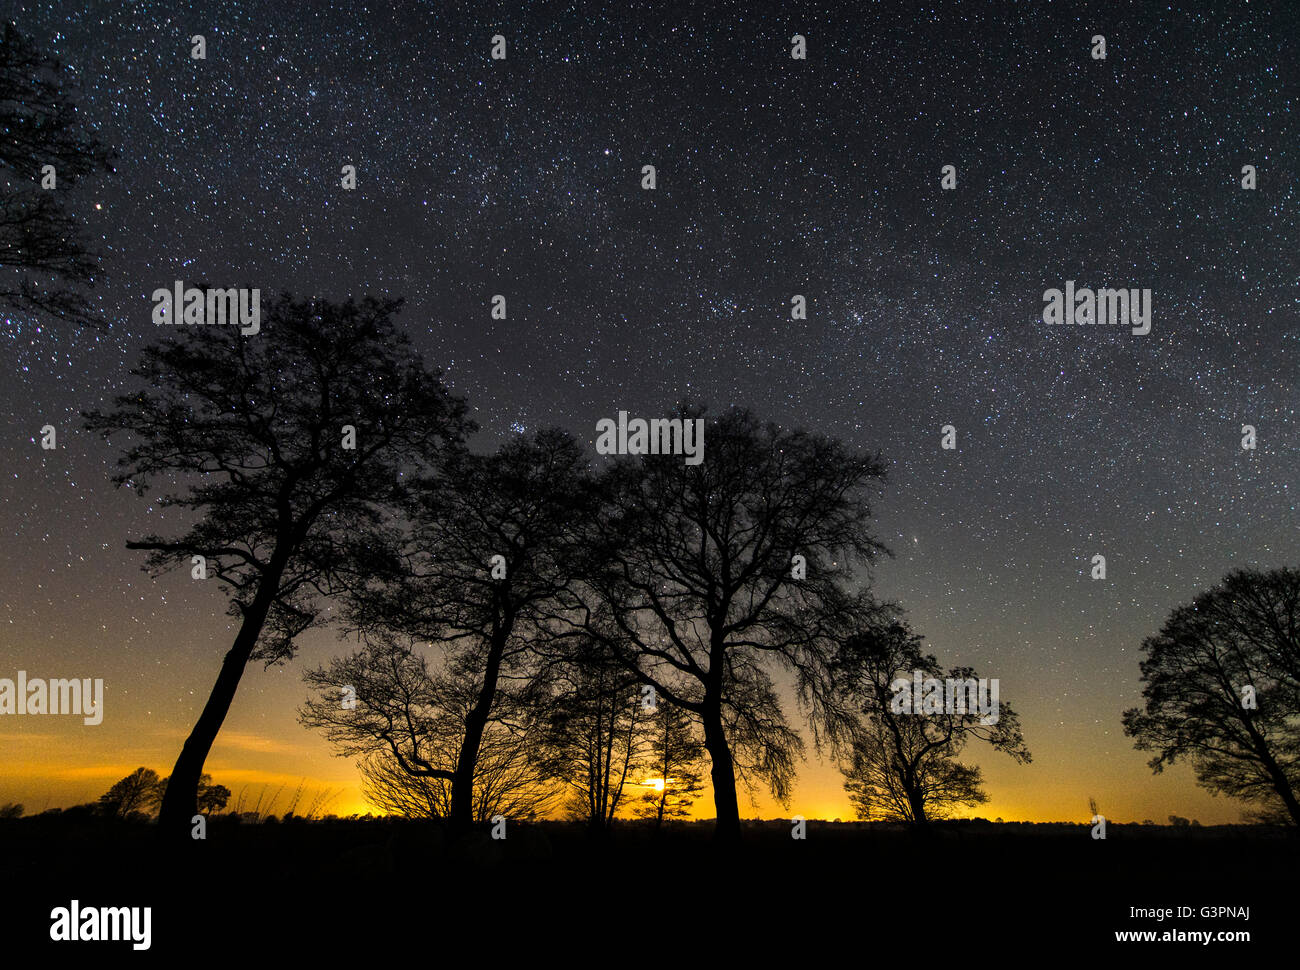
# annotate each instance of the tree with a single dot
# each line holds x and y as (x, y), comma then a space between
(1262, 610)
(698, 589)
(676, 760)
(408, 729)
(11, 810)
(899, 762)
(134, 793)
(142, 792)
(593, 738)
(494, 544)
(254, 428)
(209, 797)
(41, 242)
(394, 791)
(506, 783)
(1221, 691)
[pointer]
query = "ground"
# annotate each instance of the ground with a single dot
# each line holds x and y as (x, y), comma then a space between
(382, 889)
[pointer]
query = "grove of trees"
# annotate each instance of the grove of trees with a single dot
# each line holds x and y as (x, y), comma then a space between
(535, 634)
(515, 609)
(141, 792)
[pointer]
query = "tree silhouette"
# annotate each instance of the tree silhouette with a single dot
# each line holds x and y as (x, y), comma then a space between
(593, 736)
(209, 798)
(696, 589)
(902, 764)
(506, 782)
(1221, 690)
(676, 762)
(253, 427)
(408, 728)
(493, 545)
(42, 250)
(137, 792)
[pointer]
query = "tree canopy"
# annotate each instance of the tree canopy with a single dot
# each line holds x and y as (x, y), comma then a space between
(1221, 691)
(288, 450)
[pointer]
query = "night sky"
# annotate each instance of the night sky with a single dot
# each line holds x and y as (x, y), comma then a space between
(775, 177)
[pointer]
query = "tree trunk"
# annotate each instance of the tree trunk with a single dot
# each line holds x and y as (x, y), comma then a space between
(462, 784)
(663, 776)
(180, 801)
(917, 802)
(462, 779)
(1281, 784)
(1289, 799)
(723, 773)
(1283, 788)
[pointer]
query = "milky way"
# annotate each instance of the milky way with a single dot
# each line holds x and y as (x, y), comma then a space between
(775, 177)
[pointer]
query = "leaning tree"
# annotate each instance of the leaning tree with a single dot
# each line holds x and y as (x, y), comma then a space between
(286, 448)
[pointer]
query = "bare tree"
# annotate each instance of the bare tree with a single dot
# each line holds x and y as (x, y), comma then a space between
(900, 762)
(1221, 691)
(882, 785)
(675, 761)
(506, 782)
(395, 791)
(45, 149)
(253, 429)
(593, 739)
(494, 545)
(708, 576)
(407, 726)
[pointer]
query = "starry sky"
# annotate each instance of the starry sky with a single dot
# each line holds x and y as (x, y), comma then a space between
(775, 177)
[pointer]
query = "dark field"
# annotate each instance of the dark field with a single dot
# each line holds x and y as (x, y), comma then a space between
(968, 893)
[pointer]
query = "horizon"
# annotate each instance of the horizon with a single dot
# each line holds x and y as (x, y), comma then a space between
(361, 359)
